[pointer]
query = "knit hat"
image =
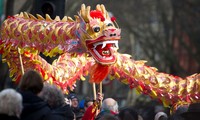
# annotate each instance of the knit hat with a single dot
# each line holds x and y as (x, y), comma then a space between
(72, 96)
(193, 110)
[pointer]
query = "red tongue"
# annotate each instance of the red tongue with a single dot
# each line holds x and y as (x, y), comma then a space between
(100, 49)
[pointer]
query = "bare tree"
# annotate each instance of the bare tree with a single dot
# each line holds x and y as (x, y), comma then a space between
(163, 32)
(186, 29)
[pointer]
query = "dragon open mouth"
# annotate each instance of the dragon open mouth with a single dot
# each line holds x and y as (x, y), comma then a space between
(103, 51)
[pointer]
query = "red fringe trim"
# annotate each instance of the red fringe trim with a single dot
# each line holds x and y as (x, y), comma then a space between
(99, 72)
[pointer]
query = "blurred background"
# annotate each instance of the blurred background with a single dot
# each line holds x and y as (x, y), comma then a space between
(163, 32)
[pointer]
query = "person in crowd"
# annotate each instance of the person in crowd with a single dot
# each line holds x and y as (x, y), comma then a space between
(109, 106)
(74, 100)
(75, 104)
(129, 113)
(193, 112)
(55, 98)
(10, 104)
(177, 114)
(85, 103)
(88, 102)
(81, 105)
(161, 116)
(109, 117)
(93, 110)
(80, 115)
(30, 86)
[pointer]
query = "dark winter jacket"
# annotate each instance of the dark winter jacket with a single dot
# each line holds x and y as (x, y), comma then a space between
(62, 113)
(6, 117)
(34, 108)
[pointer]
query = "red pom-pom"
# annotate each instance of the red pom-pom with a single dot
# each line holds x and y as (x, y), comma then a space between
(103, 19)
(113, 19)
(97, 14)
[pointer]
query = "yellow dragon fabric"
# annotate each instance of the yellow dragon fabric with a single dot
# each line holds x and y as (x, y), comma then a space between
(86, 45)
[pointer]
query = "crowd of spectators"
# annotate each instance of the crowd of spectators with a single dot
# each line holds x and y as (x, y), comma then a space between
(35, 100)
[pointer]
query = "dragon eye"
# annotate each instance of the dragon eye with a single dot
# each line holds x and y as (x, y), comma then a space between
(109, 24)
(96, 29)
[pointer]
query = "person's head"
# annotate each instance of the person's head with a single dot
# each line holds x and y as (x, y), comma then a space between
(53, 96)
(74, 100)
(108, 117)
(79, 115)
(10, 102)
(31, 81)
(110, 104)
(128, 114)
(161, 116)
(88, 102)
(193, 112)
(176, 115)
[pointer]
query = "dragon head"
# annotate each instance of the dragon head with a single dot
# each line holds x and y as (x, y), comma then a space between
(99, 34)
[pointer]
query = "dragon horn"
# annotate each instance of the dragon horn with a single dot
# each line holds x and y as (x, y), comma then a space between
(98, 7)
(104, 11)
(84, 13)
(88, 13)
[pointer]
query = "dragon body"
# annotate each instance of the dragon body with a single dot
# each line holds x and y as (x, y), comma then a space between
(86, 45)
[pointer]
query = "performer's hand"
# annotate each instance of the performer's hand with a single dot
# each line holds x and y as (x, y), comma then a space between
(68, 102)
(100, 96)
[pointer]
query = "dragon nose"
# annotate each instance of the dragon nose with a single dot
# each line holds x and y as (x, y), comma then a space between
(112, 32)
(111, 35)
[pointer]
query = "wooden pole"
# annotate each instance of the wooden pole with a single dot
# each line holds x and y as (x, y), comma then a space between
(100, 90)
(21, 62)
(94, 91)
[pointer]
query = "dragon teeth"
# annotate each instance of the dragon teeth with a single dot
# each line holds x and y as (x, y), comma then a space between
(104, 45)
(106, 52)
(106, 42)
(116, 44)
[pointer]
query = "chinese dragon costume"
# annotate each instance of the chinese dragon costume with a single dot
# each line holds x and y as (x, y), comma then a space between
(87, 44)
